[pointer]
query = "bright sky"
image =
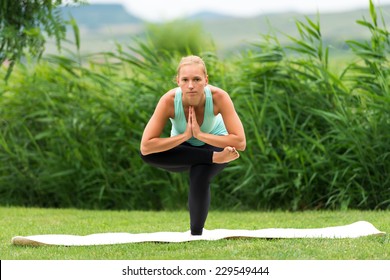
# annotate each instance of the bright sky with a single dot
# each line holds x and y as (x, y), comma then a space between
(157, 10)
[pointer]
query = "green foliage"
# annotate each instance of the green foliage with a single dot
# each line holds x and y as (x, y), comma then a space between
(314, 140)
(71, 140)
(23, 26)
(178, 36)
(317, 137)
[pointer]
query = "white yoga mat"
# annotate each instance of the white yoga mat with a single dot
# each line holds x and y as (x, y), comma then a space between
(354, 230)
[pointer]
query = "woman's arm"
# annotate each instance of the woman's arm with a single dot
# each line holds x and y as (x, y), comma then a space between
(236, 135)
(151, 141)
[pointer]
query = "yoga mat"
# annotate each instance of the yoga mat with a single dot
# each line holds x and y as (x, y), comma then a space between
(358, 229)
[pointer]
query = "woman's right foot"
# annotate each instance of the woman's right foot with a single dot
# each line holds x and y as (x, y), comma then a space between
(227, 155)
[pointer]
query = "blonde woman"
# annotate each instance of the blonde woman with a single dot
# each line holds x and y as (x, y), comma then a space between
(206, 134)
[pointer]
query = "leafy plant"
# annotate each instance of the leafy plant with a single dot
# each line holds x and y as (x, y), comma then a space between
(24, 25)
(317, 137)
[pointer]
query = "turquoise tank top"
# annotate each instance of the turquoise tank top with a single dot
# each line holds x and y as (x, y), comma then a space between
(211, 124)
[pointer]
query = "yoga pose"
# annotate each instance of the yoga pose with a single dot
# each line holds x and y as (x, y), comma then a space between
(206, 134)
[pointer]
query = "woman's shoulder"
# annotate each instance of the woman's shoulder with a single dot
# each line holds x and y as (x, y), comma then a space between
(167, 102)
(219, 95)
(169, 96)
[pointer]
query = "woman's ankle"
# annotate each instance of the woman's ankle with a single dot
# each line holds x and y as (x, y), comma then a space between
(228, 154)
(196, 231)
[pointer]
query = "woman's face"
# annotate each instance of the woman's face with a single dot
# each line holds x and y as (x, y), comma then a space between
(192, 80)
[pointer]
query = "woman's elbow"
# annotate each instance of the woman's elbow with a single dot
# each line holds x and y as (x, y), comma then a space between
(241, 146)
(239, 143)
(144, 150)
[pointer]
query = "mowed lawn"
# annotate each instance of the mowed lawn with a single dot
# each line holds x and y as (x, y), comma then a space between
(33, 221)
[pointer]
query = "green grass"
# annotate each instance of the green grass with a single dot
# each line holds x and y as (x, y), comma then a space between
(31, 221)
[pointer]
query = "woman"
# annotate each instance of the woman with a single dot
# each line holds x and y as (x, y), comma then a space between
(206, 134)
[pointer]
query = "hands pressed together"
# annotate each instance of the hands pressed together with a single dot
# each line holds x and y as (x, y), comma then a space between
(193, 128)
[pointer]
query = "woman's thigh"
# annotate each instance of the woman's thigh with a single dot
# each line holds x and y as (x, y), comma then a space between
(181, 158)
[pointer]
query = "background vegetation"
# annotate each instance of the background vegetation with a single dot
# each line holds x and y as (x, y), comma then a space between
(102, 25)
(317, 129)
(25, 25)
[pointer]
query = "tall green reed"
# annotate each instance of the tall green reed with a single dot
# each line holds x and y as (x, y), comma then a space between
(310, 145)
(71, 127)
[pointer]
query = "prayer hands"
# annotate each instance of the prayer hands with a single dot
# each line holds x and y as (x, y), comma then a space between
(194, 123)
(193, 129)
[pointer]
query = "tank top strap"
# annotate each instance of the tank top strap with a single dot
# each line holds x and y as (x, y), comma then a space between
(209, 106)
(179, 112)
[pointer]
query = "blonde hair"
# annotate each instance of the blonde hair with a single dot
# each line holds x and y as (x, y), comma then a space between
(192, 59)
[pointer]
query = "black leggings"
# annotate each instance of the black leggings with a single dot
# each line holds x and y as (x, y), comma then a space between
(198, 161)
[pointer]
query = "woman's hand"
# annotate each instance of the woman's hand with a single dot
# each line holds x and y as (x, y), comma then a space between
(195, 129)
(188, 132)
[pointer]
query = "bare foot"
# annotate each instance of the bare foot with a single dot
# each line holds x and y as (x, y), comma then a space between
(227, 155)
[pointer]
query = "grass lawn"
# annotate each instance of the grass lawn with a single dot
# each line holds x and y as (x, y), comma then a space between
(32, 221)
